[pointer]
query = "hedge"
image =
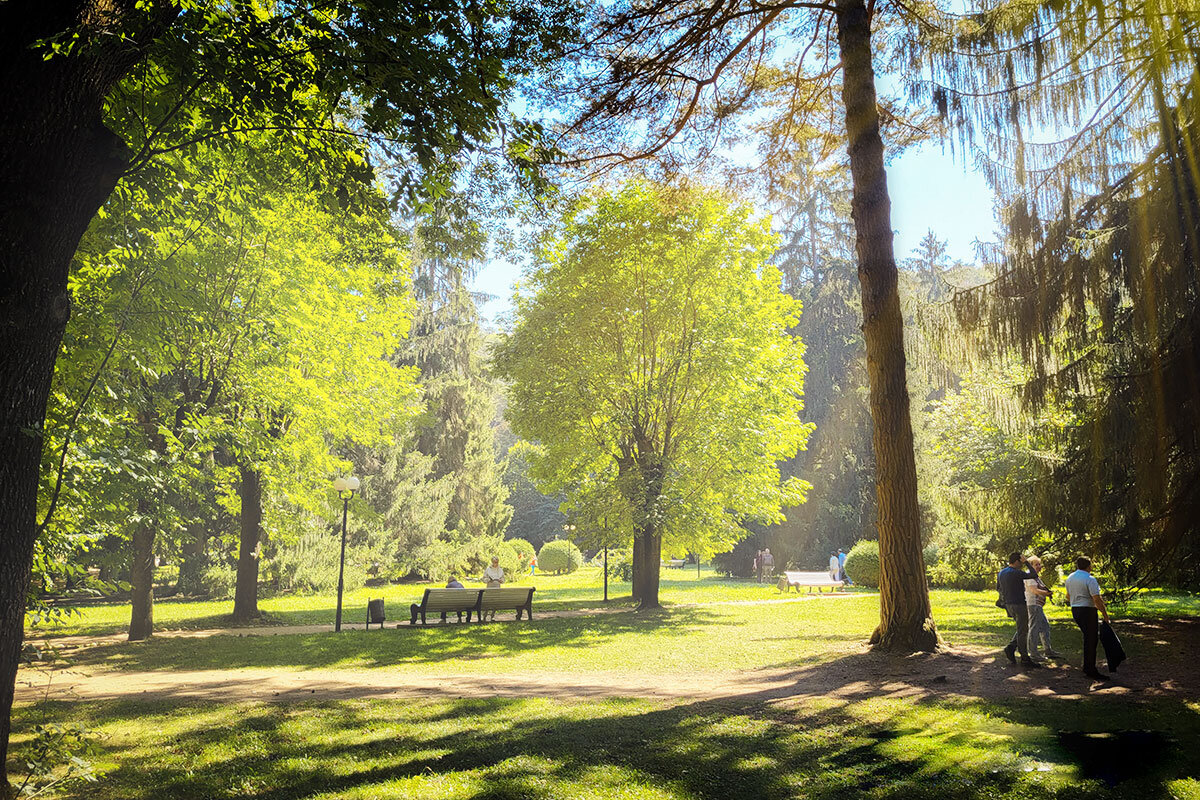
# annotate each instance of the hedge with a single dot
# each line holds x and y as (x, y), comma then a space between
(559, 556)
(862, 563)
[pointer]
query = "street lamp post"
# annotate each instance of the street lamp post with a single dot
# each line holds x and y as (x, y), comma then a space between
(345, 487)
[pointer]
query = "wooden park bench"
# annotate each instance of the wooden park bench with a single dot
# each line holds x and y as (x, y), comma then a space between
(677, 563)
(820, 580)
(444, 601)
(515, 598)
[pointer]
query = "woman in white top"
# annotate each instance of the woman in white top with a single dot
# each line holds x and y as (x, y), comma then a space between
(493, 576)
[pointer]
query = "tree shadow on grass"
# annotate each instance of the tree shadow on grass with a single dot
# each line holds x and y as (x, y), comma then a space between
(752, 746)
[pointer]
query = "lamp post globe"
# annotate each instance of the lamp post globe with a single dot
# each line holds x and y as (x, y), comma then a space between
(345, 487)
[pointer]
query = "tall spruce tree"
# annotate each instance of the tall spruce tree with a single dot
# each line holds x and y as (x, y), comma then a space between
(454, 432)
(1095, 295)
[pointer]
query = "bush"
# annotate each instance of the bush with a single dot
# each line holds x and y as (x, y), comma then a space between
(311, 564)
(559, 556)
(862, 563)
(962, 565)
(218, 580)
(524, 551)
(620, 564)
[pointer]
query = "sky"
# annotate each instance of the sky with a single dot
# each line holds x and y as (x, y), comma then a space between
(929, 189)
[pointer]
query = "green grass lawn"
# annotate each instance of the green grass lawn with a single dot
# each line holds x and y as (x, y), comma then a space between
(752, 746)
(578, 590)
(507, 749)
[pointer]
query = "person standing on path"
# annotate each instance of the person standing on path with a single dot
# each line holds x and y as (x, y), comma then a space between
(1011, 585)
(841, 554)
(1035, 601)
(768, 565)
(835, 568)
(1083, 590)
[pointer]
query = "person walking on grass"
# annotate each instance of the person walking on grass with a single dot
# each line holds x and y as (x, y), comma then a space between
(1035, 601)
(1083, 590)
(1010, 583)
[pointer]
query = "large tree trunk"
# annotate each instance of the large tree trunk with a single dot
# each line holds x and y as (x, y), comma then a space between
(58, 163)
(651, 540)
(906, 623)
(141, 579)
(245, 594)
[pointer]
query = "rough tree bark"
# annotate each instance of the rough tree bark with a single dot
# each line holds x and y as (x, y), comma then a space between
(141, 578)
(245, 594)
(906, 623)
(58, 163)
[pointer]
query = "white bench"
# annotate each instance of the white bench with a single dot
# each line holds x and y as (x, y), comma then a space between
(820, 580)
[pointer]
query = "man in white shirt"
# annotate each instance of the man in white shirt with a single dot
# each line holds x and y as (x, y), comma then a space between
(1084, 593)
(834, 568)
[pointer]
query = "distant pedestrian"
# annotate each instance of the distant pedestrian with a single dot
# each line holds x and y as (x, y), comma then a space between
(835, 567)
(1083, 590)
(758, 565)
(842, 576)
(1011, 585)
(533, 564)
(768, 564)
(1035, 601)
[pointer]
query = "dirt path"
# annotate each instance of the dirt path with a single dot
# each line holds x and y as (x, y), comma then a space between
(851, 674)
(96, 640)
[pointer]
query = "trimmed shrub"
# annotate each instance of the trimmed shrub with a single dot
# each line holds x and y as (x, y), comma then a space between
(524, 551)
(559, 556)
(862, 563)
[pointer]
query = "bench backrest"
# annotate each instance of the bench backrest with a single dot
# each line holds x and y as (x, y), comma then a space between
(812, 578)
(503, 598)
(450, 599)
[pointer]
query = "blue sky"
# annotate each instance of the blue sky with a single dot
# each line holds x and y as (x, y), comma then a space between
(929, 189)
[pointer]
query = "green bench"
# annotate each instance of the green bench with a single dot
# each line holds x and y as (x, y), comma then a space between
(516, 598)
(445, 601)
(473, 601)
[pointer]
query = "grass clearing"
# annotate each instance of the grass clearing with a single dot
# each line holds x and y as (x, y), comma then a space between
(544, 748)
(581, 589)
(870, 741)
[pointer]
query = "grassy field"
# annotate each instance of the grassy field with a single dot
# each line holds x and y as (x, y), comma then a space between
(874, 742)
(578, 590)
(582, 589)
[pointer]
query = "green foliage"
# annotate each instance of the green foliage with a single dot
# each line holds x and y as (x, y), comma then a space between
(620, 564)
(683, 433)
(963, 564)
(862, 563)
(310, 564)
(559, 556)
(524, 552)
(218, 580)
